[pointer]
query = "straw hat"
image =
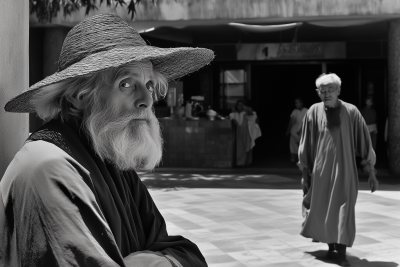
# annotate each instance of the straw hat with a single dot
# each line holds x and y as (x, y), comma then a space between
(104, 41)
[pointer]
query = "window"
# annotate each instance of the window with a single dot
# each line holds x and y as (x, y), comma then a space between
(232, 87)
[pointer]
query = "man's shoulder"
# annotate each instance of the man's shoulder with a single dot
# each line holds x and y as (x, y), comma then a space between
(348, 105)
(350, 108)
(315, 107)
(33, 161)
(39, 151)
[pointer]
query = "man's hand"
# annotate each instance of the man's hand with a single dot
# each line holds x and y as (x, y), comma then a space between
(305, 185)
(146, 259)
(373, 182)
(305, 180)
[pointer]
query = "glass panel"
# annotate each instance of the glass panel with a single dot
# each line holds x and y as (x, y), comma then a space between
(234, 90)
(234, 76)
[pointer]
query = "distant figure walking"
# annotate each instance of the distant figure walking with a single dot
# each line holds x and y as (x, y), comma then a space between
(294, 128)
(333, 133)
(247, 131)
(369, 114)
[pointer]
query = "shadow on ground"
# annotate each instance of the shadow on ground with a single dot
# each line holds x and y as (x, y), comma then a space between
(249, 179)
(354, 261)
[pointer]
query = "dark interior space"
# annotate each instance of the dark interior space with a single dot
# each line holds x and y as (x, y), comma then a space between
(276, 85)
(274, 89)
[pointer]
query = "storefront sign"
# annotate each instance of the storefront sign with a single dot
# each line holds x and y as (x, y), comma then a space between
(300, 50)
(274, 51)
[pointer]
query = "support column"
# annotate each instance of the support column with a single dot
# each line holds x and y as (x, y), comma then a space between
(14, 76)
(394, 95)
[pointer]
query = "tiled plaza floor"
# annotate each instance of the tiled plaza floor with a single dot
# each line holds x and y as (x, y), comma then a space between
(240, 219)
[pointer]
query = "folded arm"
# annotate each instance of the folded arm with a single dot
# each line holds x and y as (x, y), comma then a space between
(181, 251)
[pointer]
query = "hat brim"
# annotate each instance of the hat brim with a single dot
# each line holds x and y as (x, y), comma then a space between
(173, 63)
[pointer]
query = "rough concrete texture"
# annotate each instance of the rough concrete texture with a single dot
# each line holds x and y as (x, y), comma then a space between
(184, 10)
(14, 75)
(394, 95)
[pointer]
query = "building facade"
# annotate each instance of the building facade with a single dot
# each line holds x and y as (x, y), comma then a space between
(267, 52)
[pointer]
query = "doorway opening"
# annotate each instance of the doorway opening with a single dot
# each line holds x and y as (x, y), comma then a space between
(276, 85)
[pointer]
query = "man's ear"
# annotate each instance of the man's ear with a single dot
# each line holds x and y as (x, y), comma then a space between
(76, 103)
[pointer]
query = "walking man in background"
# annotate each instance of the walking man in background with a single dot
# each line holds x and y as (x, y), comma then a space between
(333, 133)
(71, 196)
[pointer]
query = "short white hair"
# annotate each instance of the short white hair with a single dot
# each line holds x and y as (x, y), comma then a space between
(328, 78)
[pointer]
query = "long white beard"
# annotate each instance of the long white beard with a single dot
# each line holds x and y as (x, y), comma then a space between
(121, 139)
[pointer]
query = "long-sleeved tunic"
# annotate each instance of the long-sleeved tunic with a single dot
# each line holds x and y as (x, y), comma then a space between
(63, 206)
(330, 141)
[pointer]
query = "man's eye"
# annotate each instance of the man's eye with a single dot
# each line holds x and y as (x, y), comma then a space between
(125, 85)
(150, 87)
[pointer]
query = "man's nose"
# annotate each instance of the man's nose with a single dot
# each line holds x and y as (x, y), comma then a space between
(143, 97)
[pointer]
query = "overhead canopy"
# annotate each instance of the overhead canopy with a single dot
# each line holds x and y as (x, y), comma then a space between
(344, 23)
(265, 28)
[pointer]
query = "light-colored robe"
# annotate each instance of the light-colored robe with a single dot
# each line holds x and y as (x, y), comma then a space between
(330, 152)
(254, 128)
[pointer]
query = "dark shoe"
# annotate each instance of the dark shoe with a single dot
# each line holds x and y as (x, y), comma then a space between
(342, 260)
(330, 255)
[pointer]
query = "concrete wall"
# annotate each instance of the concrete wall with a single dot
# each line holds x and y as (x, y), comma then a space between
(238, 10)
(14, 34)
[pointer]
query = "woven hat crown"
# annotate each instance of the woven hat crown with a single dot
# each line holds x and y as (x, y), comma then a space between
(96, 34)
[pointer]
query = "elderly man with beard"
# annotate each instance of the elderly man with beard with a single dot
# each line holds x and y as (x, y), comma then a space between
(333, 133)
(71, 196)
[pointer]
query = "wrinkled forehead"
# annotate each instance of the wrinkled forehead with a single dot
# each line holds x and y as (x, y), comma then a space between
(328, 85)
(137, 70)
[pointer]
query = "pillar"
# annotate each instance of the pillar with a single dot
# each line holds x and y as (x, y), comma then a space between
(14, 76)
(394, 96)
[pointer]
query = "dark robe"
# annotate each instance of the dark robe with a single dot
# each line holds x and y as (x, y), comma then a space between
(63, 206)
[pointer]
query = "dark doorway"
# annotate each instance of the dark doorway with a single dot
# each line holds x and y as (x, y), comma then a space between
(276, 85)
(274, 89)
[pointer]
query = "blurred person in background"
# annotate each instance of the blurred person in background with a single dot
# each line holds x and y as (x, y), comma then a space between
(71, 195)
(247, 130)
(369, 115)
(333, 133)
(294, 128)
(254, 128)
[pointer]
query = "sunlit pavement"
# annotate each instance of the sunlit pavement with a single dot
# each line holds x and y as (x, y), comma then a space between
(249, 218)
